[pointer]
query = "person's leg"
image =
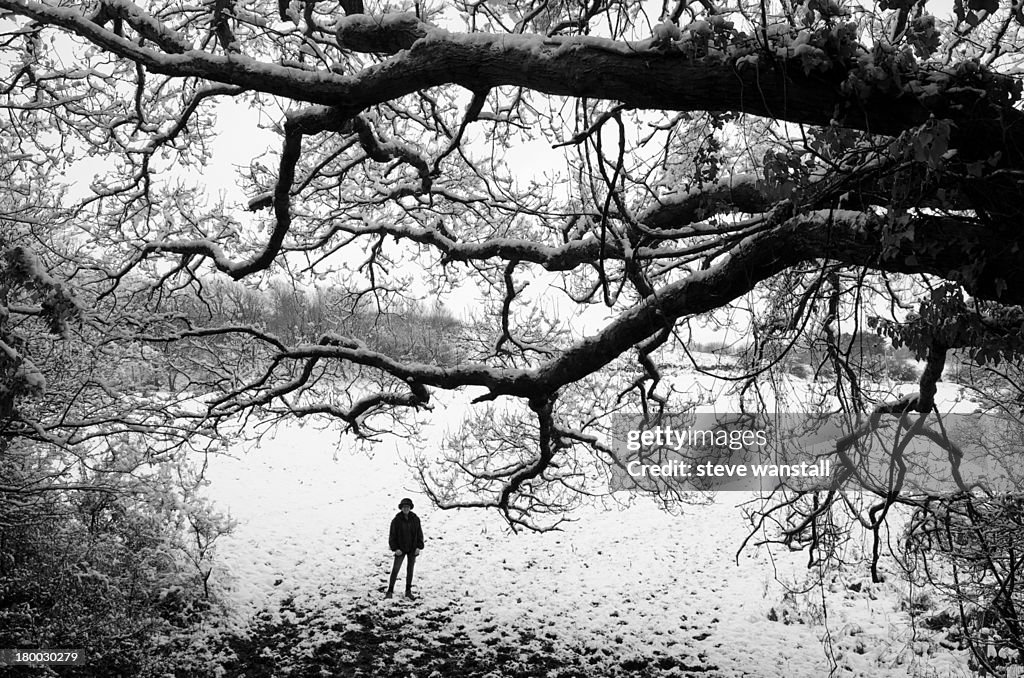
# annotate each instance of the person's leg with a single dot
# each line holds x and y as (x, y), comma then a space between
(408, 573)
(394, 572)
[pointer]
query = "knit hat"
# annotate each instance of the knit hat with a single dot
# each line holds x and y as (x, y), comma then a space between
(405, 502)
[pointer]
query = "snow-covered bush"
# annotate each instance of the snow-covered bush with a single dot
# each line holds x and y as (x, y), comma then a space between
(106, 562)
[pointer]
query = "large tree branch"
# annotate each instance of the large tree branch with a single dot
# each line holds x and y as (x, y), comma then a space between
(851, 238)
(388, 34)
(585, 66)
(564, 257)
(735, 193)
(146, 24)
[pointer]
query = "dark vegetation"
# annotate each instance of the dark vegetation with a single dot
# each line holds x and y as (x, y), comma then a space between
(117, 570)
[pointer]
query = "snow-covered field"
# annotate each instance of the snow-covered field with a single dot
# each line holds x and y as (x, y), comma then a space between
(620, 591)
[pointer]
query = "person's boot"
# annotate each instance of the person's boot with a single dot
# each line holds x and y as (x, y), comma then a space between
(409, 595)
(389, 594)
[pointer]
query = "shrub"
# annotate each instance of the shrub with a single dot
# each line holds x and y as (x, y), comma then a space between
(903, 371)
(108, 567)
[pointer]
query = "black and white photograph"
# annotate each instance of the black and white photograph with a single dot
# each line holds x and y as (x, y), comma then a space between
(512, 338)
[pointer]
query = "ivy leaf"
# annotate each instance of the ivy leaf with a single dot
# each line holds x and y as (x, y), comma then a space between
(931, 143)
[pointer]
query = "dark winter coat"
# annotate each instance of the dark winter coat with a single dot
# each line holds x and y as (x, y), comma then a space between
(406, 533)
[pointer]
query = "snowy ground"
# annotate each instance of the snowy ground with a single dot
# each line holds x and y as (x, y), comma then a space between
(631, 591)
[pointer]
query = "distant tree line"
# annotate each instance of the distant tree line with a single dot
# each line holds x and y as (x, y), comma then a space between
(407, 329)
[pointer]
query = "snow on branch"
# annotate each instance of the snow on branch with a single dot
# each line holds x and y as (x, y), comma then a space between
(383, 151)
(387, 34)
(575, 66)
(356, 414)
(564, 257)
(147, 25)
(298, 124)
(735, 193)
(851, 238)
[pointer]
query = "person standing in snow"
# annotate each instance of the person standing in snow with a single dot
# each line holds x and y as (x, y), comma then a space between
(404, 539)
